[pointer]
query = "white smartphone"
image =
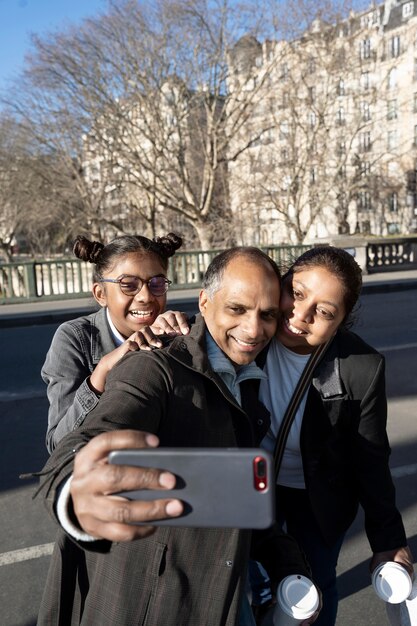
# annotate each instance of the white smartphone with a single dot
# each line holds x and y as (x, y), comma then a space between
(220, 487)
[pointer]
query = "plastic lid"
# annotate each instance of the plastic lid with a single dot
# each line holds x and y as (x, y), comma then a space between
(298, 596)
(392, 582)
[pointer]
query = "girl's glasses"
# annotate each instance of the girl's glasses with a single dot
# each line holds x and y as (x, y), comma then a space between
(131, 285)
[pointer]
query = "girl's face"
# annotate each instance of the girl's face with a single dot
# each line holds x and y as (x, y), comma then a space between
(131, 313)
(312, 308)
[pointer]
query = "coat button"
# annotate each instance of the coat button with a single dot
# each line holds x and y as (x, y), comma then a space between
(260, 422)
(229, 563)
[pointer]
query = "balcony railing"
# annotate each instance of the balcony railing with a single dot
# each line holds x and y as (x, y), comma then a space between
(60, 279)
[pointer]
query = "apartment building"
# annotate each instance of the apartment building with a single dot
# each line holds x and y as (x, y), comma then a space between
(334, 127)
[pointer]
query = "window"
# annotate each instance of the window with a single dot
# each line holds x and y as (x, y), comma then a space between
(285, 155)
(391, 139)
(311, 94)
(312, 118)
(415, 70)
(364, 169)
(395, 46)
(341, 147)
(341, 172)
(365, 141)
(415, 136)
(285, 99)
(341, 87)
(341, 119)
(365, 49)
(408, 9)
(365, 111)
(283, 130)
(365, 82)
(364, 201)
(311, 65)
(393, 202)
(284, 71)
(312, 175)
(392, 78)
(392, 110)
(415, 103)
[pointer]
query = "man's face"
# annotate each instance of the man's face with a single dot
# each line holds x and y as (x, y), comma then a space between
(242, 315)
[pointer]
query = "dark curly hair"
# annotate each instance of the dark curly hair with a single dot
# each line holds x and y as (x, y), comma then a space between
(104, 256)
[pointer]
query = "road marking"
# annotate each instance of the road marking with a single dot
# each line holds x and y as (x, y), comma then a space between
(25, 554)
(404, 346)
(404, 470)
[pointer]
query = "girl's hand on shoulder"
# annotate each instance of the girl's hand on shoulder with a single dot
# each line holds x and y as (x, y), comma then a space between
(171, 323)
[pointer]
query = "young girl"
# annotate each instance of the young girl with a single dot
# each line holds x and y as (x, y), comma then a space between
(130, 285)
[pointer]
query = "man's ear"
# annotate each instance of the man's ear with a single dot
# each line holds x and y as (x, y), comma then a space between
(99, 293)
(202, 301)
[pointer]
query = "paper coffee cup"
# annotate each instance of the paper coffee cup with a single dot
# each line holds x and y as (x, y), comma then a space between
(297, 600)
(391, 582)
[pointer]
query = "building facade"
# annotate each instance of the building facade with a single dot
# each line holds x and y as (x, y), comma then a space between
(334, 126)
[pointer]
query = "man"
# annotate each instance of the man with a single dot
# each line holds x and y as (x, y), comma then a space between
(190, 393)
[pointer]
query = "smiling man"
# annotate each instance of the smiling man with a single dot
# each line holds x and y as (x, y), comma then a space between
(200, 391)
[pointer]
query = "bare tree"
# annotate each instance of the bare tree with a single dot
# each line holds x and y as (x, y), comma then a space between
(322, 165)
(140, 95)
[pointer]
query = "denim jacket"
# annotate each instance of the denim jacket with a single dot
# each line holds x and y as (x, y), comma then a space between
(76, 348)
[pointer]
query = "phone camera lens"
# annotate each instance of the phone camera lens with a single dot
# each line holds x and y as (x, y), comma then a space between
(261, 467)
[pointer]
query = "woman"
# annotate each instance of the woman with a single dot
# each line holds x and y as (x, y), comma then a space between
(130, 285)
(336, 455)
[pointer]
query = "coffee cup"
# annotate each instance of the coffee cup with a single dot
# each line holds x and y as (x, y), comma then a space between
(297, 600)
(391, 582)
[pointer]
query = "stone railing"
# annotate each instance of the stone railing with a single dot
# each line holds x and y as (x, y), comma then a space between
(59, 279)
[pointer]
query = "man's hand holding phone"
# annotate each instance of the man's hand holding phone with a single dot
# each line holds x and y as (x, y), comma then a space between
(104, 515)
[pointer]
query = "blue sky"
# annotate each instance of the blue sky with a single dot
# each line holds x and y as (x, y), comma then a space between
(20, 18)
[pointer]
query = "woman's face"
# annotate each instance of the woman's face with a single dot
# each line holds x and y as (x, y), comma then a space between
(312, 308)
(131, 313)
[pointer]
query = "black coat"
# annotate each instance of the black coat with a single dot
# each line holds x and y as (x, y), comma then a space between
(177, 576)
(344, 444)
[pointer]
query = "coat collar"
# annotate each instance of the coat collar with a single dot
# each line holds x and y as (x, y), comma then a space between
(102, 341)
(326, 378)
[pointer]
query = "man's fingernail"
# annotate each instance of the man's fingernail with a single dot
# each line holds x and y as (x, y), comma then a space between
(167, 480)
(174, 508)
(152, 440)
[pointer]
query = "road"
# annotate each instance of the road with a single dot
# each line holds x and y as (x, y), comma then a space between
(386, 320)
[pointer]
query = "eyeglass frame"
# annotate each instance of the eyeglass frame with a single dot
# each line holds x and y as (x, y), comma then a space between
(142, 281)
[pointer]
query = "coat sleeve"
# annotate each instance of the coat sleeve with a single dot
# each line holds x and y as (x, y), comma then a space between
(137, 393)
(279, 553)
(383, 523)
(66, 371)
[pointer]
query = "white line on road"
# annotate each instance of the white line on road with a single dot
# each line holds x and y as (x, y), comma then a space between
(403, 346)
(35, 552)
(404, 470)
(25, 554)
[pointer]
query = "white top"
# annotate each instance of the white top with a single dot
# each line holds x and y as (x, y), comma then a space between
(284, 368)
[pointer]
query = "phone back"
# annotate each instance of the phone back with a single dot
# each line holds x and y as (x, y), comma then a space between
(220, 487)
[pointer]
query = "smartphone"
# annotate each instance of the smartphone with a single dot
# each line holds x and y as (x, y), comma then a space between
(220, 487)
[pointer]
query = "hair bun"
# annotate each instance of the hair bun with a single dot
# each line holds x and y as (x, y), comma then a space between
(169, 244)
(87, 250)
